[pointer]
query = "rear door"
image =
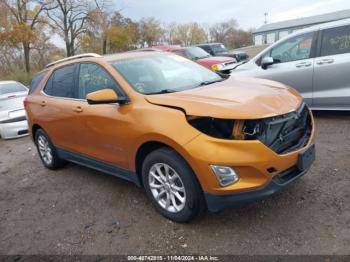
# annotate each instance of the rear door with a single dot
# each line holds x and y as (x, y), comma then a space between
(56, 110)
(332, 70)
(294, 64)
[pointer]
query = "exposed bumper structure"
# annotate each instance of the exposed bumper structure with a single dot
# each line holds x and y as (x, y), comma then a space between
(262, 171)
(217, 203)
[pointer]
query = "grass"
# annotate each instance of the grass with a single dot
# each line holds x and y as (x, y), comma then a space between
(19, 76)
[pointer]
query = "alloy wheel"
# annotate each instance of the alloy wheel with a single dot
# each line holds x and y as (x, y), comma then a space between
(167, 187)
(45, 150)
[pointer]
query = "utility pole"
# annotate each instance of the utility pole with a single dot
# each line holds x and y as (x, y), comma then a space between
(266, 14)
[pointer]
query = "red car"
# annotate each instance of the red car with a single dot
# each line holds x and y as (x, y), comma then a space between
(220, 64)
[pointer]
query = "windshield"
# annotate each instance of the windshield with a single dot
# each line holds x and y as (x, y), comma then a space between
(219, 48)
(196, 53)
(11, 88)
(157, 73)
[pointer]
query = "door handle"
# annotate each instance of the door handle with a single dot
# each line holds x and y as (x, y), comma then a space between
(78, 109)
(303, 64)
(325, 61)
(43, 103)
(330, 61)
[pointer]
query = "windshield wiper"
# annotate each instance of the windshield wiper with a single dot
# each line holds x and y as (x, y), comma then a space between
(205, 83)
(163, 91)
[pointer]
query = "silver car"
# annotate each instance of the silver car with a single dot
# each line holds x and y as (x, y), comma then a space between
(315, 61)
(13, 122)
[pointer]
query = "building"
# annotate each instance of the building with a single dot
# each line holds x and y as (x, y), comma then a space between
(270, 33)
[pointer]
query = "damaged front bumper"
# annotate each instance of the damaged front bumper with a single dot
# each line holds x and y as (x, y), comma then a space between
(264, 165)
(216, 203)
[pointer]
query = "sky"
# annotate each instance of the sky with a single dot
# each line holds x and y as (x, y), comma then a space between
(248, 13)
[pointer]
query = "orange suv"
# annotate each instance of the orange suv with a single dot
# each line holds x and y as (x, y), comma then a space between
(192, 139)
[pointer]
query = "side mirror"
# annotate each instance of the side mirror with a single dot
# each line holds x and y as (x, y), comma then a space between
(104, 96)
(266, 62)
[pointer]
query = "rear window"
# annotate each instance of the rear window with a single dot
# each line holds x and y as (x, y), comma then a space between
(36, 81)
(11, 88)
(336, 41)
(62, 82)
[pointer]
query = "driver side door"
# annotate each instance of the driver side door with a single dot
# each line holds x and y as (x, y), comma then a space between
(294, 64)
(103, 127)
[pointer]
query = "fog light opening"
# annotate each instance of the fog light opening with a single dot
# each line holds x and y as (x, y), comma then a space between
(225, 175)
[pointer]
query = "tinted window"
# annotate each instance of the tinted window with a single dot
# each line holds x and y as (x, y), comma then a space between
(62, 83)
(293, 49)
(11, 88)
(206, 48)
(336, 41)
(219, 48)
(93, 77)
(36, 81)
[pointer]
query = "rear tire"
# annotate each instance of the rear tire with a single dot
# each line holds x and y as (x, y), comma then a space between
(172, 186)
(47, 151)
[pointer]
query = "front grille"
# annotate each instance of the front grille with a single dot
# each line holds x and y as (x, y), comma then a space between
(284, 133)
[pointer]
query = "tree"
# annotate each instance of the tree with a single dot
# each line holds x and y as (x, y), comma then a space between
(229, 34)
(169, 33)
(221, 32)
(69, 17)
(95, 36)
(117, 33)
(189, 34)
(241, 38)
(26, 16)
(43, 51)
(150, 31)
(123, 33)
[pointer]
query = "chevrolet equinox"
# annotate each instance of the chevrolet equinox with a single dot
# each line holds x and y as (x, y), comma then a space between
(194, 140)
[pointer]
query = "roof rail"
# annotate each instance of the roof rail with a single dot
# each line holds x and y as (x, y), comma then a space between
(72, 58)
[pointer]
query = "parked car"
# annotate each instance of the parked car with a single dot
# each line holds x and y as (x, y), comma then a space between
(215, 63)
(192, 139)
(13, 122)
(240, 56)
(315, 61)
(219, 49)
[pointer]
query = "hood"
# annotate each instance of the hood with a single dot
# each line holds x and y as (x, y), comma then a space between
(213, 60)
(234, 98)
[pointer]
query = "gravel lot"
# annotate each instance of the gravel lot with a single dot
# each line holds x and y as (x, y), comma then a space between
(80, 211)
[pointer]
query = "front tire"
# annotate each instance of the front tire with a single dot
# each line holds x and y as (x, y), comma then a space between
(47, 151)
(172, 186)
